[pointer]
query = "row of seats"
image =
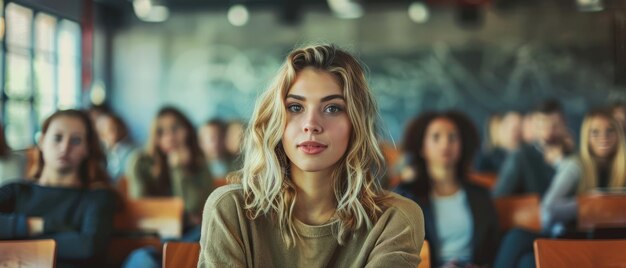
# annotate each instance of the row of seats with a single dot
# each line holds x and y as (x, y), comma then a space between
(548, 253)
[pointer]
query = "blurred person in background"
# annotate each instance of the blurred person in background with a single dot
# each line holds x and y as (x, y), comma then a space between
(599, 166)
(12, 163)
(212, 139)
(68, 199)
(234, 137)
(491, 155)
(172, 165)
(530, 169)
(114, 137)
(460, 218)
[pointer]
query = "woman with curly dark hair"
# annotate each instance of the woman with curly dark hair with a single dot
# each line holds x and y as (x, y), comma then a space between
(460, 219)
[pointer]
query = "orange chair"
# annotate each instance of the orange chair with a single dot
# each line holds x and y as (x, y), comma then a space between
(218, 182)
(181, 255)
(487, 180)
(28, 253)
(519, 211)
(425, 256)
(579, 253)
(597, 211)
(144, 218)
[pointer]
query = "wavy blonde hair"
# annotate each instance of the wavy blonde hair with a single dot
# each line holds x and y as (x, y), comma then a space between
(588, 161)
(269, 190)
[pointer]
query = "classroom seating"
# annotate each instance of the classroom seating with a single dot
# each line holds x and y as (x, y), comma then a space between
(28, 253)
(425, 256)
(144, 222)
(181, 255)
(579, 253)
(596, 211)
(521, 211)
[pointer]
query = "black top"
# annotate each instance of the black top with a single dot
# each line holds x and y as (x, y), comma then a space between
(524, 171)
(490, 160)
(79, 220)
(485, 238)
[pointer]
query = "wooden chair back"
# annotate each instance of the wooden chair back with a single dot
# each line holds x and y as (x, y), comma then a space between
(519, 211)
(181, 255)
(28, 253)
(601, 211)
(579, 253)
(163, 215)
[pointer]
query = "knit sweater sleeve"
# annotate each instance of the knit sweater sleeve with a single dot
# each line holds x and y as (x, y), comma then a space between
(96, 227)
(401, 238)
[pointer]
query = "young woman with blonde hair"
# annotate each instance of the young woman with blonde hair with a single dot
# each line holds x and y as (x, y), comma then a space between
(308, 193)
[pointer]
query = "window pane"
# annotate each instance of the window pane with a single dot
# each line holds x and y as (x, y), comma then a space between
(44, 32)
(18, 76)
(69, 64)
(18, 23)
(18, 124)
(44, 65)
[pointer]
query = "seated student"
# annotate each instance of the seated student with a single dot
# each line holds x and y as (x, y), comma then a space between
(113, 134)
(308, 194)
(69, 199)
(530, 169)
(212, 139)
(599, 164)
(461, 221)
(12, 164)
(171, 165)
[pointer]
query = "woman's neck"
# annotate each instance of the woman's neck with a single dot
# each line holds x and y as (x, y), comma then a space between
(315, 201)
(54, 178)
(443, 180)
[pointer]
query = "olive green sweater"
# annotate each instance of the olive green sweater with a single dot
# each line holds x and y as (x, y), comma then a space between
(230, 239)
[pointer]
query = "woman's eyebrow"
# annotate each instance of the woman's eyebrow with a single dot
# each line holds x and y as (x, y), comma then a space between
(324, 99)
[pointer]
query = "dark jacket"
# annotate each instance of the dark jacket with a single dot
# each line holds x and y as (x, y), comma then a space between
(485, 236)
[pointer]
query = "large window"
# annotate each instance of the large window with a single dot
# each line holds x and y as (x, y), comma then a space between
(41, 71)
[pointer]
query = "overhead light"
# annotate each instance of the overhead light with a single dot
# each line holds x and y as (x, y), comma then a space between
(346, 9)
(590, 5)
(238, 15)
(146, 10)
(418, 12)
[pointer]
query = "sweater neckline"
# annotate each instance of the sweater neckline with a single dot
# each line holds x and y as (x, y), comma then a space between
(312, 231)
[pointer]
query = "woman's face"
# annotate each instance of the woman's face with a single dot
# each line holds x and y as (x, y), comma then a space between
(210, 141)
(602, 137)
(171, 134)
(318, 129)
(442, 144)
(107, 130)
(64, 145)
(234, 135)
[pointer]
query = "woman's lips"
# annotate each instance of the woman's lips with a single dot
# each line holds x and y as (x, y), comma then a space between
(311, 147)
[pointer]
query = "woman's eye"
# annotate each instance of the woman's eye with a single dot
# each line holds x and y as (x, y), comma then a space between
(58, 138)
(295, 108)
(76, 140)
(333, 109)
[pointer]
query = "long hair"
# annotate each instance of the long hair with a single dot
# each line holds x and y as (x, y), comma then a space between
(588, 161)
(269, 190)
(413, 144)
(159, 167)
(5, 149)
(91, 172)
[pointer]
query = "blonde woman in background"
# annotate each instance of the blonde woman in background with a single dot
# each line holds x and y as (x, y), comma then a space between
(308, 193)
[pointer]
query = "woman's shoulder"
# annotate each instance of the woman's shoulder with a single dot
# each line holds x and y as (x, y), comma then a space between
(225, 198)
(403, 207)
